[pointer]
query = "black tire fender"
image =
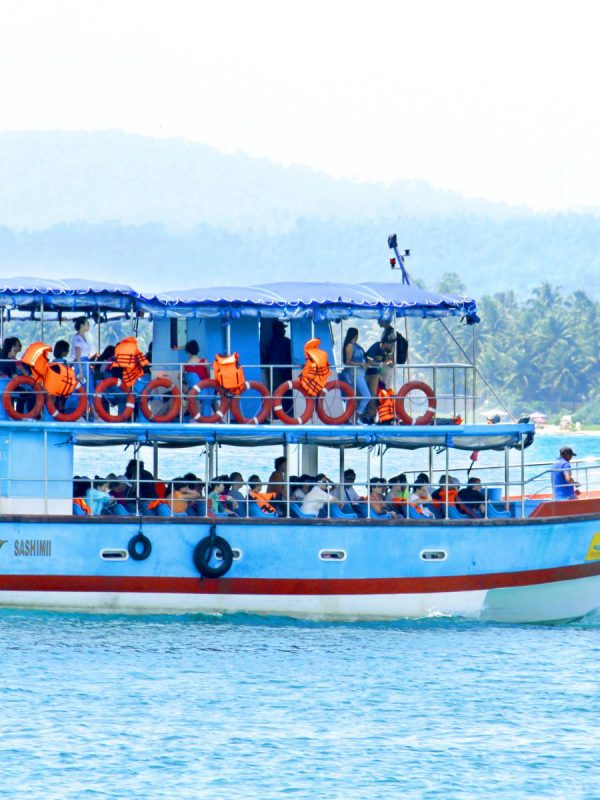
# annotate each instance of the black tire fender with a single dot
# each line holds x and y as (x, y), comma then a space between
(204, 550)
(139, 547)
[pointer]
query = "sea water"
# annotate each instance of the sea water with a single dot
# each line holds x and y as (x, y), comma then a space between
(115, 707)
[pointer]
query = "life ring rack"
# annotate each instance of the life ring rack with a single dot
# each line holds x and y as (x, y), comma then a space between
(401, 412)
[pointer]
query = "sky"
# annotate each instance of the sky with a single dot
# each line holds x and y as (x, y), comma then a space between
(489, 99)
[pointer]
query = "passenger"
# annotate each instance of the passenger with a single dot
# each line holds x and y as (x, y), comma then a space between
(235, 491)
(81, 349)
(389, 335)
(103, 365)
(9, 366)
(445, 494)
(97, 496)
(376, 499)
(277, 485)
(303, 486)
(181, 494)
(355, 362)
(278, 356)
(196, 368)
(146, 479)
(262, 499)
(564, 486)
(420, 498)
(61, 351)
(318, 498)
(471, 500)
(397, 496)
(80, 487)
(347, 493)
(378, 355)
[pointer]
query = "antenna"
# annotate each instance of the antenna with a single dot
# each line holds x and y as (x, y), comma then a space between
(398, 262)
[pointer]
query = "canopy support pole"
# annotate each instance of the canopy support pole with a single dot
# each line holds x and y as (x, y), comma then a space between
(522, 478)
(155, 460)
(228, 337)
(342, 470)
(474, 390)
(447, 477)
(430, 464)
(506, 477)
(42, 320)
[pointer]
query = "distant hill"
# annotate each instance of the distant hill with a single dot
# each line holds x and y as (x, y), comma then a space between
(167, 213)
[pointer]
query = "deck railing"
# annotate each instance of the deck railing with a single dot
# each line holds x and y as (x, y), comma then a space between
(450, 398)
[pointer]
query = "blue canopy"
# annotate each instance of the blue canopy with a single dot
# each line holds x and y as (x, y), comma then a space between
(70, 294)
(291, 300)
(321, 301)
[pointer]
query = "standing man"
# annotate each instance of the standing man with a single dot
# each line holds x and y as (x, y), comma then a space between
(564, 486)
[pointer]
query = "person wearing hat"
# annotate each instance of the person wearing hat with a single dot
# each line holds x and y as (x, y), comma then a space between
(564, 486)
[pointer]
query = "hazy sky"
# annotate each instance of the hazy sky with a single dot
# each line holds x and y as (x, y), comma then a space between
(492, 99)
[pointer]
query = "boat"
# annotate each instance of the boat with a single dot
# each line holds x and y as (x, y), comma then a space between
(528, 558)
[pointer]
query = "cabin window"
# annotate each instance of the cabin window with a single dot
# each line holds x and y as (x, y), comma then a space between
(433, 555)
(237, 554)
(332, 555)
(114, 554)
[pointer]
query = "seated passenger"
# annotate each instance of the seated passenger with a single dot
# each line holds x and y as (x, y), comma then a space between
(262, 499)
(397, 496)
(347, 493)
(420, 498)
(180, 495)
(444, 495)
(376, 499)
(471, 500)
(317, 499)
(146, 480)
(9, 366)
(278, 485)
(235, 491)
(303, 486)
(97, 496)
(195, 368)
(80, 487)
(61, 351)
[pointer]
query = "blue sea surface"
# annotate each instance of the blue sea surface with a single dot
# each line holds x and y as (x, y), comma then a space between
(244, 707)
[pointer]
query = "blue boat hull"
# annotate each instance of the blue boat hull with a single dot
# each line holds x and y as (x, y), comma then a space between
(532, 570)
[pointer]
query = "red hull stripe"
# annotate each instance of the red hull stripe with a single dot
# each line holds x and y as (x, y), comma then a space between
(291, 586)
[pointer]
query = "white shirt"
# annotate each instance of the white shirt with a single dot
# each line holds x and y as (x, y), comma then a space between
(314, 501)
(82, 343)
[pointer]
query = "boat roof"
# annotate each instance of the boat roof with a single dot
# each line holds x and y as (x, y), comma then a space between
(319, 301)
(459, 437)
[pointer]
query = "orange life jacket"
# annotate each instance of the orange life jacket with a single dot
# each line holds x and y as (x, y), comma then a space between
(36, 358)
(386, 404)
(228, 373)
(316, 369)
(440, 502)
(262, 499)
(131, 360)
(155, 504)
(79, 501)
(60, 380)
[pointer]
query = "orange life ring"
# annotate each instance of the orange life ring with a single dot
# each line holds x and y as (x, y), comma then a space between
(401, 412)
(265, 406)
(173, 390)
(219, 415)
(345, 390)
(14, 383)
(71, 416)
(109, 383)
(278, 408)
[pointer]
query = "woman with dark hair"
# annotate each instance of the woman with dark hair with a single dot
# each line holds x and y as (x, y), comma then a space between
(8, 356)
(103, 364)
(195, 369)
(355, 363)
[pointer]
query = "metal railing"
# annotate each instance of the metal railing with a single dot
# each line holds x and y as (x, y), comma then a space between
(451, 386)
